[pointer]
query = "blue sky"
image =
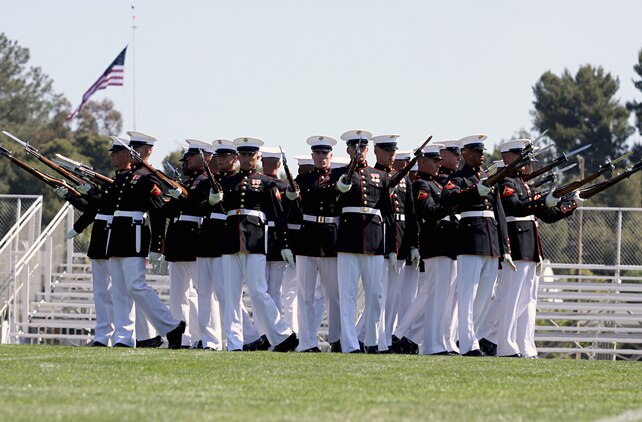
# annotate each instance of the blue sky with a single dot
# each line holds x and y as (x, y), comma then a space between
(286, 70)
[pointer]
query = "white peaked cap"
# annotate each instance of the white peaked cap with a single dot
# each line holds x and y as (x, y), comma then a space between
(248, 144)
(356, 134)
(405, 154)
(223, 145)
(271, 152)
(304, 160)
(321, 142)
(514, 145)
(195, 145)
(140, 139)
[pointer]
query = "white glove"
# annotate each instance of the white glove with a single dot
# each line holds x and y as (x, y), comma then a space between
(62, 192)
(509, 261)
(215, 197)
(576, 198)
(551, 201)
(343, 188)
(84, 189)
(71, 234)
(155, 256)
(393, 262)
(415, 258)
(291, 195)
(175, 193)
(287, 256)
(482, 189)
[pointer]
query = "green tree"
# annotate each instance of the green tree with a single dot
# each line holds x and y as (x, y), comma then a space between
(635, 106)
(582, 109)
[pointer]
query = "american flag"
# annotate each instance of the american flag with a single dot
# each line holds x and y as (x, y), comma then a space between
(112, 76)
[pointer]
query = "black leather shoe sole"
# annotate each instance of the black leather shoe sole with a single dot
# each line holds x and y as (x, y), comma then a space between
(97, 344)
(287, 345)
(175, 337)
(311, 350)
(122, 345)
(151, 343)
(475, 353)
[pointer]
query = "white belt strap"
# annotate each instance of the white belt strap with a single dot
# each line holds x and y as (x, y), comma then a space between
(294, 226)
(191, 218)
(361, 210)
(485, 213)
(217, 216)
(447, 218)
(243, 211)
(321, 219)
(271, 224)
(134, 215)
(511, 219)
(104, 217)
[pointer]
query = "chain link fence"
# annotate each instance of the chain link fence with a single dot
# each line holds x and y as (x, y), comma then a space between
(595, 236)
(11, 208)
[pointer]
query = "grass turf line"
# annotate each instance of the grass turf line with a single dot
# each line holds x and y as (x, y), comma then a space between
(68, 383)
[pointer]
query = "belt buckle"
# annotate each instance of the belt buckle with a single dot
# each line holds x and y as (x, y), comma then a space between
(365, 210)
(237, 212)
(320, 219)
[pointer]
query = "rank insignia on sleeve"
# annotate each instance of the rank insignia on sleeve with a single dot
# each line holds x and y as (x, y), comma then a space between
(508, 191)
(422, 195)
(449, 185)
(156, 191)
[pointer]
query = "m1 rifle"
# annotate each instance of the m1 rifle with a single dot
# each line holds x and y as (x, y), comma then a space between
(57, 168)
(213, 182)
(87, 171)
(599, 187)
(347, 177)
(551, 177)
(165, 179)
(288, 175)
(399, 176)
(49, 180)
(562, 159)
(575, 185)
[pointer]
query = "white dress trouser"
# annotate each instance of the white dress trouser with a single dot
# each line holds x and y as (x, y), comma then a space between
(350, 267)
(181, 276)
(129, 287)
(529, 349)
(413, 319)
(274, 272)
(476, 276)
(288, 298)
(408, 293)
(394, 285)
(438, 276)
(251, 269)
(101, 280)
(488, 328)
(516, 293)
(210, 273)
(452, 334)
(309, 271)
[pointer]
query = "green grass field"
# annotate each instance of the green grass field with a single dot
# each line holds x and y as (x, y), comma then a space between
(71, 383)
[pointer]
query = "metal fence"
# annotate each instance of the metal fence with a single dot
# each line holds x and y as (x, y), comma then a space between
(12, 207)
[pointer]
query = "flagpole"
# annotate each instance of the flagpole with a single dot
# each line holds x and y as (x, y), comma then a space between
(134, 63)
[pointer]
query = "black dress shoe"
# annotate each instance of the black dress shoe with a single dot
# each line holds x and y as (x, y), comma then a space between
(372, 350)
(211, 349)
(311, 350)
(444, 353)
(362, 347)
(357, 351)
(287, 345)
(199, 344)
(97, 344)
(408, 347)
(264, 343)
(235, 350)
(395, 339)
(474, 353)
(185, 347)
(451, 353)
(175, 337)
(259, 344)
(335, 347)
(121, 345)
(488, 347)
(516, 355)
(150, 343)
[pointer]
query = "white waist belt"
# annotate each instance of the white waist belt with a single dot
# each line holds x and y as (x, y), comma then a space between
(243, 211)
(134, 215)
(447, 218)
(486, 213)
(321, 219)
(217, 216)
(271, 224)
(191, 218)
(511, 219)
(294, 226)
(104, 217)
(361, 210)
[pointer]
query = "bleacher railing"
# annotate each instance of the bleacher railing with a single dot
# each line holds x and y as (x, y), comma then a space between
(34, 271)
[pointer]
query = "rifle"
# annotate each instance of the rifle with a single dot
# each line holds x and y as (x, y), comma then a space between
(508, 169)
(166, 180)
(353, 164)
(573, 186)
(51, 181)
(398, 176)
(88, 171)
(493, 168)
(552, 176)
(288, 174)
(94, 185)
(213, 182)
(599, 187)
(58, 169)
(562, 159)
(177, 175)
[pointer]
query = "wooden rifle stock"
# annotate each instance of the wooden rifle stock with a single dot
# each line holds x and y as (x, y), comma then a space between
(213, 182)
(602, 186)
(509, 168)
(556, 163)
(165, 179)
(398, 176)
(573, 186)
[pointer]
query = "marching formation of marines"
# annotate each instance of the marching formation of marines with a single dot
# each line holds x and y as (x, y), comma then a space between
(446, 254)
